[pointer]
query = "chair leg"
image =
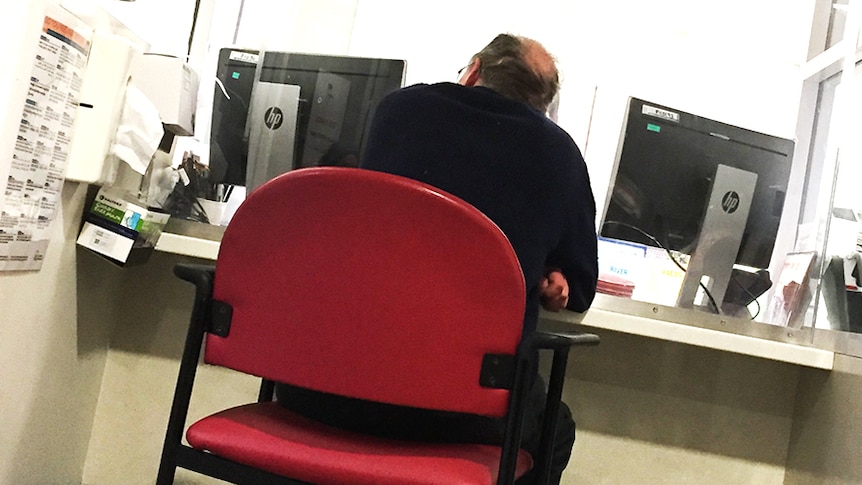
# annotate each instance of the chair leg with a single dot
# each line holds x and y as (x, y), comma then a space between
(187, 371)
(514, 424)
(552, 409)
(167, 470)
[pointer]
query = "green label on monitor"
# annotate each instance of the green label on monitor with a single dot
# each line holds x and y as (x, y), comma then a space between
(652, 127)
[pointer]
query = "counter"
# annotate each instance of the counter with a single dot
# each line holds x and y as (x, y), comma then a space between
(189, 238)
(685, 326)
(693, 328)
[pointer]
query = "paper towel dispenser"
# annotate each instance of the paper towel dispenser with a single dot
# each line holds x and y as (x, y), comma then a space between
(103, 90)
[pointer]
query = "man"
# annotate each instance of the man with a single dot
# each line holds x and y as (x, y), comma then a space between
(488, 141)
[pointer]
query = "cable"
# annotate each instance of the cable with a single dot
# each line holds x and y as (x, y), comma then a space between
(672, 258)
(223, 90)
(194, 26)
(752, 295)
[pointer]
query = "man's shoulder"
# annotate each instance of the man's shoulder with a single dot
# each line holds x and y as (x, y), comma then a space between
(409, 97)
(420, 91)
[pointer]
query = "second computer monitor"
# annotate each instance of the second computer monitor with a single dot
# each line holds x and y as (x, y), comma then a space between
(277, 111)
(665, 170)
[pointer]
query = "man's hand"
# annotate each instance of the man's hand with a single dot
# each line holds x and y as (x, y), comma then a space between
(554, 291)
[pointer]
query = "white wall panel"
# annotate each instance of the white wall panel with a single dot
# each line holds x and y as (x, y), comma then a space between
(164, 24)
(322, 26)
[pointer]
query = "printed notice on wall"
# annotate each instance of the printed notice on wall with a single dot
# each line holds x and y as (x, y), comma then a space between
(31, 199)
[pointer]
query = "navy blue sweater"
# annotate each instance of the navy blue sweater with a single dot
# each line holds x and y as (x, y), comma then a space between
(509, 161)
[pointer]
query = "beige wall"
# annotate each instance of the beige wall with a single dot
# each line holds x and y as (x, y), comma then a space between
(52, 362)
(674, 412)
(52, 348)
(648, 411)
(152, 313)
(825, 444)
(651, 411)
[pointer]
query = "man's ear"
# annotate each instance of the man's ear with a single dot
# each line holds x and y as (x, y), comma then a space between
(471, 76)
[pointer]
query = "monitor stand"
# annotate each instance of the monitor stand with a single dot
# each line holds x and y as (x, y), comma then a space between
(721, 233)
(272, 132)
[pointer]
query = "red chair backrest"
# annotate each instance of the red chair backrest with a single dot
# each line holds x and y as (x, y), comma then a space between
(368, 285)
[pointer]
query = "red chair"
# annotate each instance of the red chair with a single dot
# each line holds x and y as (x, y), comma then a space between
(366, 285)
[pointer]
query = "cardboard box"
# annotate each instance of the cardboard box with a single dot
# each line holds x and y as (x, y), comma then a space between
(120, 228)
(172, 86)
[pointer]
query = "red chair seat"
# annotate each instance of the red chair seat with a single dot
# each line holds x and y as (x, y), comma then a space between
(269, 437)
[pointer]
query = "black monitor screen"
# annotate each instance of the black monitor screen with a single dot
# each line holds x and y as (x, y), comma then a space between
(666, 163)
(346, 89)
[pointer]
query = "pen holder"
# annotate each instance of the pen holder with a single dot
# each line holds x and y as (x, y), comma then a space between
(214, 210)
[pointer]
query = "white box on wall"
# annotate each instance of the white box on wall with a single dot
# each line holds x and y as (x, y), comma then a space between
(172, 86)
(103, 90)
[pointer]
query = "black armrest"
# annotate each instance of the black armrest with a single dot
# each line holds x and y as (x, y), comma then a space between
(558, 336)
(201, 275)
(557, 340)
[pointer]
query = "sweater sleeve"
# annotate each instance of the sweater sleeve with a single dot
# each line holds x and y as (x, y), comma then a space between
(577, 254)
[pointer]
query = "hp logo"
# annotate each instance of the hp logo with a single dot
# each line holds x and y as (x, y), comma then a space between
(273, 118)
(730, 202)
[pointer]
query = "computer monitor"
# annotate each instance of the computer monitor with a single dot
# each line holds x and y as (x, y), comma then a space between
(665, 172)
(666, 163)
(330, 101)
